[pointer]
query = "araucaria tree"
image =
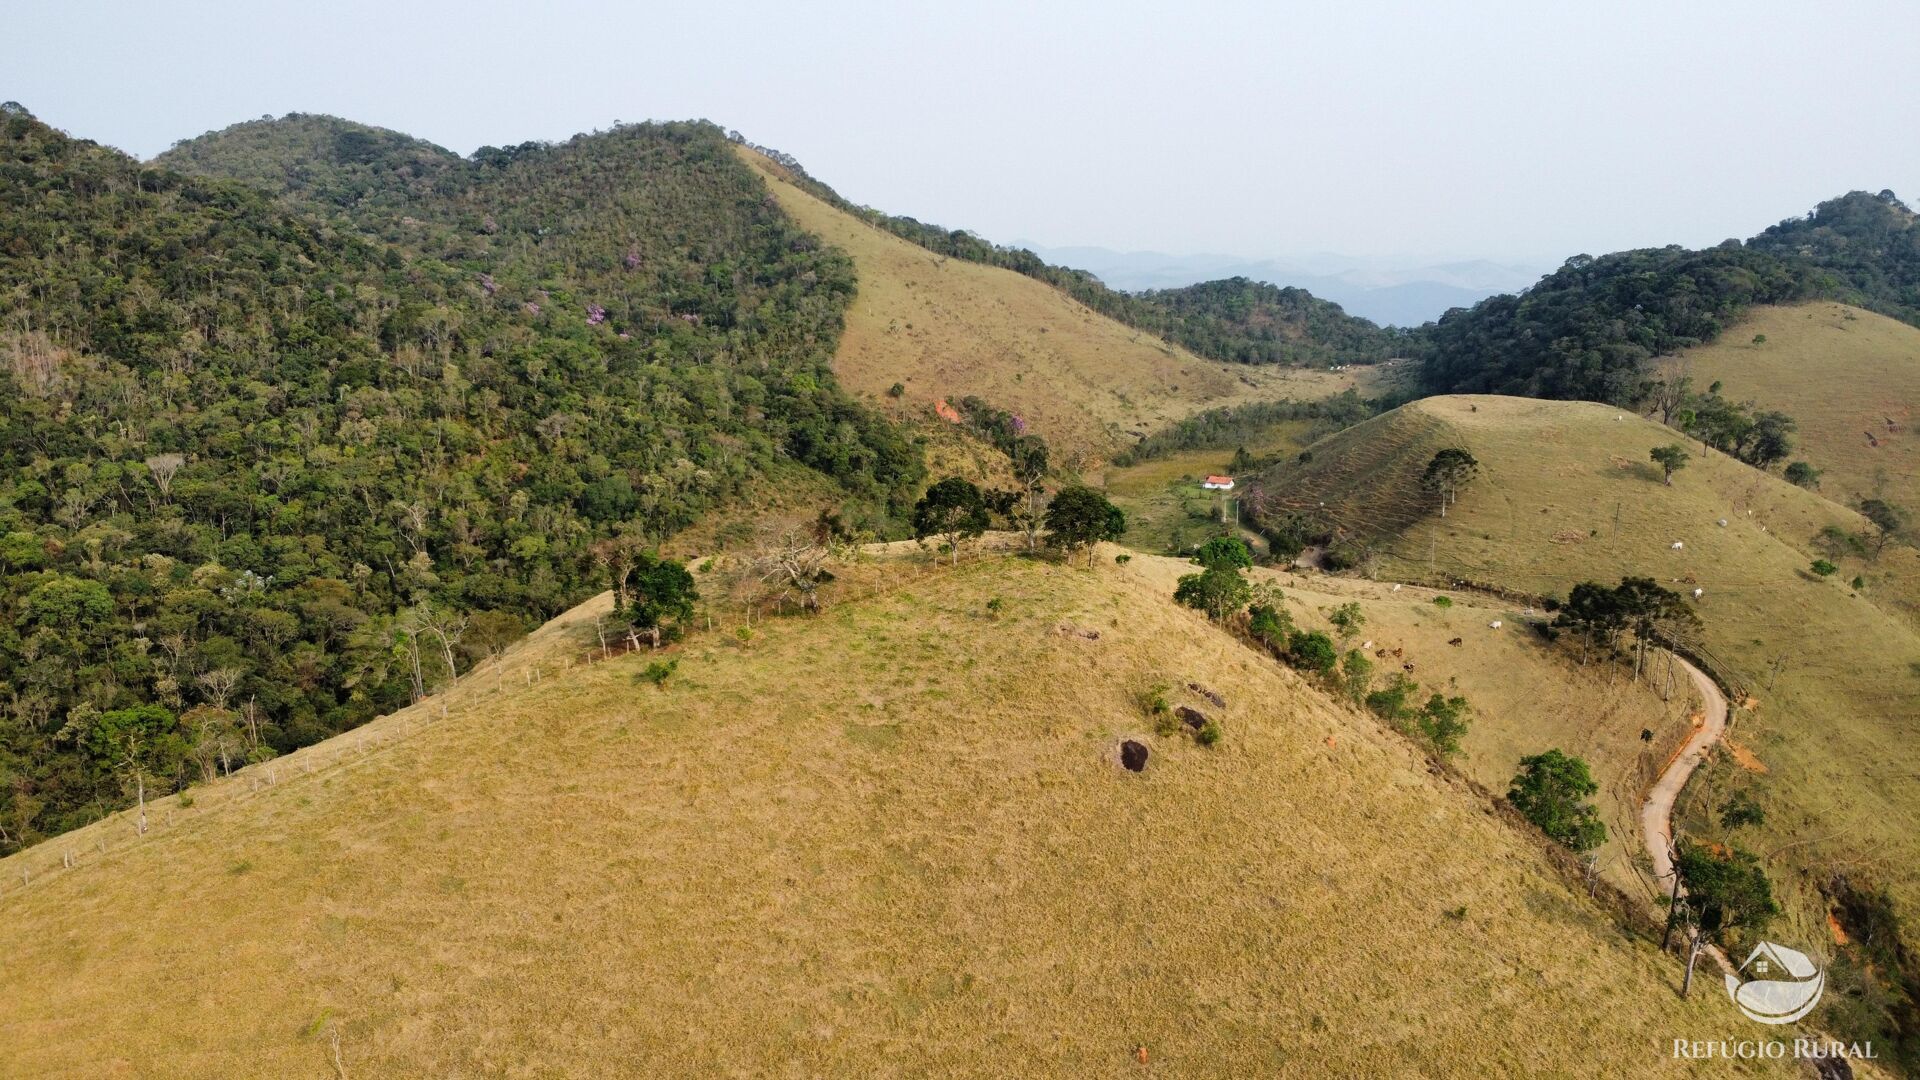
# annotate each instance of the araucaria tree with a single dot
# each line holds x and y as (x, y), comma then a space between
(1671, 459)
(1080, 517)
(953, 510)
(1449, 471)
(1551, 790)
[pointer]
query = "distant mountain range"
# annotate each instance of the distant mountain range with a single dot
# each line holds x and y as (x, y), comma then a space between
(1389, 292)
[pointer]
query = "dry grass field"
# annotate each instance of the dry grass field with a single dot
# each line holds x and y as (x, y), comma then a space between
(1850, 378)
(1566, 494)
(946, 328)
(888, 840)
(1527, 695)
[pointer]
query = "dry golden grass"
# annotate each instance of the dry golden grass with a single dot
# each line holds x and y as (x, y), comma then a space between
(1842, 374)
(1566, 494)
(947, 328)
(1527, 695)
(890, 840)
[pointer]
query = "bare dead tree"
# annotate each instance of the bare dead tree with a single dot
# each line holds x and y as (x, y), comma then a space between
(162, 468)
(220, 684)
(794, 565)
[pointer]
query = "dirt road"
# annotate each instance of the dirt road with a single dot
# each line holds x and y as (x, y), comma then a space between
(1656, 814)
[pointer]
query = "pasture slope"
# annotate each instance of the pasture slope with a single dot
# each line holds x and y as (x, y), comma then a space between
(1527, 697)
(1566, 494)
(946, 328)
(1848, 377)
(891, 838)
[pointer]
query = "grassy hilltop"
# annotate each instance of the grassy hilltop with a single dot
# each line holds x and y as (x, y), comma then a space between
(892, 833)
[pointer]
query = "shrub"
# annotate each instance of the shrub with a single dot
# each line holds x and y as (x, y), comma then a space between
(1269, 625)
(1217, 592)
(658, 671)
(1823, 567)
(1741, 809)
(1209, 733)
(1312, 651)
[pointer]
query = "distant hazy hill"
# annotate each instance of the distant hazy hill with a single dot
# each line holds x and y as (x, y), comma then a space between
(1236, 324)
(944, 328)
(1387, 292)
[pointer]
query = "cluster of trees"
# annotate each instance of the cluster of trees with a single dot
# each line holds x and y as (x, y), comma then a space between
(1739, 429)
(1239, 425)
(1236, 319)
(277, 461)
(1600, 617)
(955, 511)
(1221, 590)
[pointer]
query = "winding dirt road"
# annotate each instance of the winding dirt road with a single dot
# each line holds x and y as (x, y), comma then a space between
(1656, 814)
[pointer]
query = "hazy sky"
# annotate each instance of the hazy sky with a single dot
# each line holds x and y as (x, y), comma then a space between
(1507, 130)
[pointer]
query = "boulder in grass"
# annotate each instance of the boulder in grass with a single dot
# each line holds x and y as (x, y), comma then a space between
(1193, 718)
(1133, 755)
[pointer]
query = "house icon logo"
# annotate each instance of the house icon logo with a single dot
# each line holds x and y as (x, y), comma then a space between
(1776, 985)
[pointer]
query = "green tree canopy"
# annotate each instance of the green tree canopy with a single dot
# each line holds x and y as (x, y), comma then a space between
(953, 510)
(1080, 517)
(1218, 591)
(1224, 553)
(1551, 790)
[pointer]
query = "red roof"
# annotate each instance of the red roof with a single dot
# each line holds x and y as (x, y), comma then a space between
(1219, 479)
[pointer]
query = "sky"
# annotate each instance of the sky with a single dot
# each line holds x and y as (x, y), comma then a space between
(1509, 131)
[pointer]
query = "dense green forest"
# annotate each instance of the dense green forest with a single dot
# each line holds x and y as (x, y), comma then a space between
(268, 472)
(1589, 330)
(1866, 248)
(1236, 320)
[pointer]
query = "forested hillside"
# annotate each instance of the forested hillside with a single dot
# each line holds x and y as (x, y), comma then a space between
(267, 474)
(1235, 320)
(1867, 247)
(1589, 330)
